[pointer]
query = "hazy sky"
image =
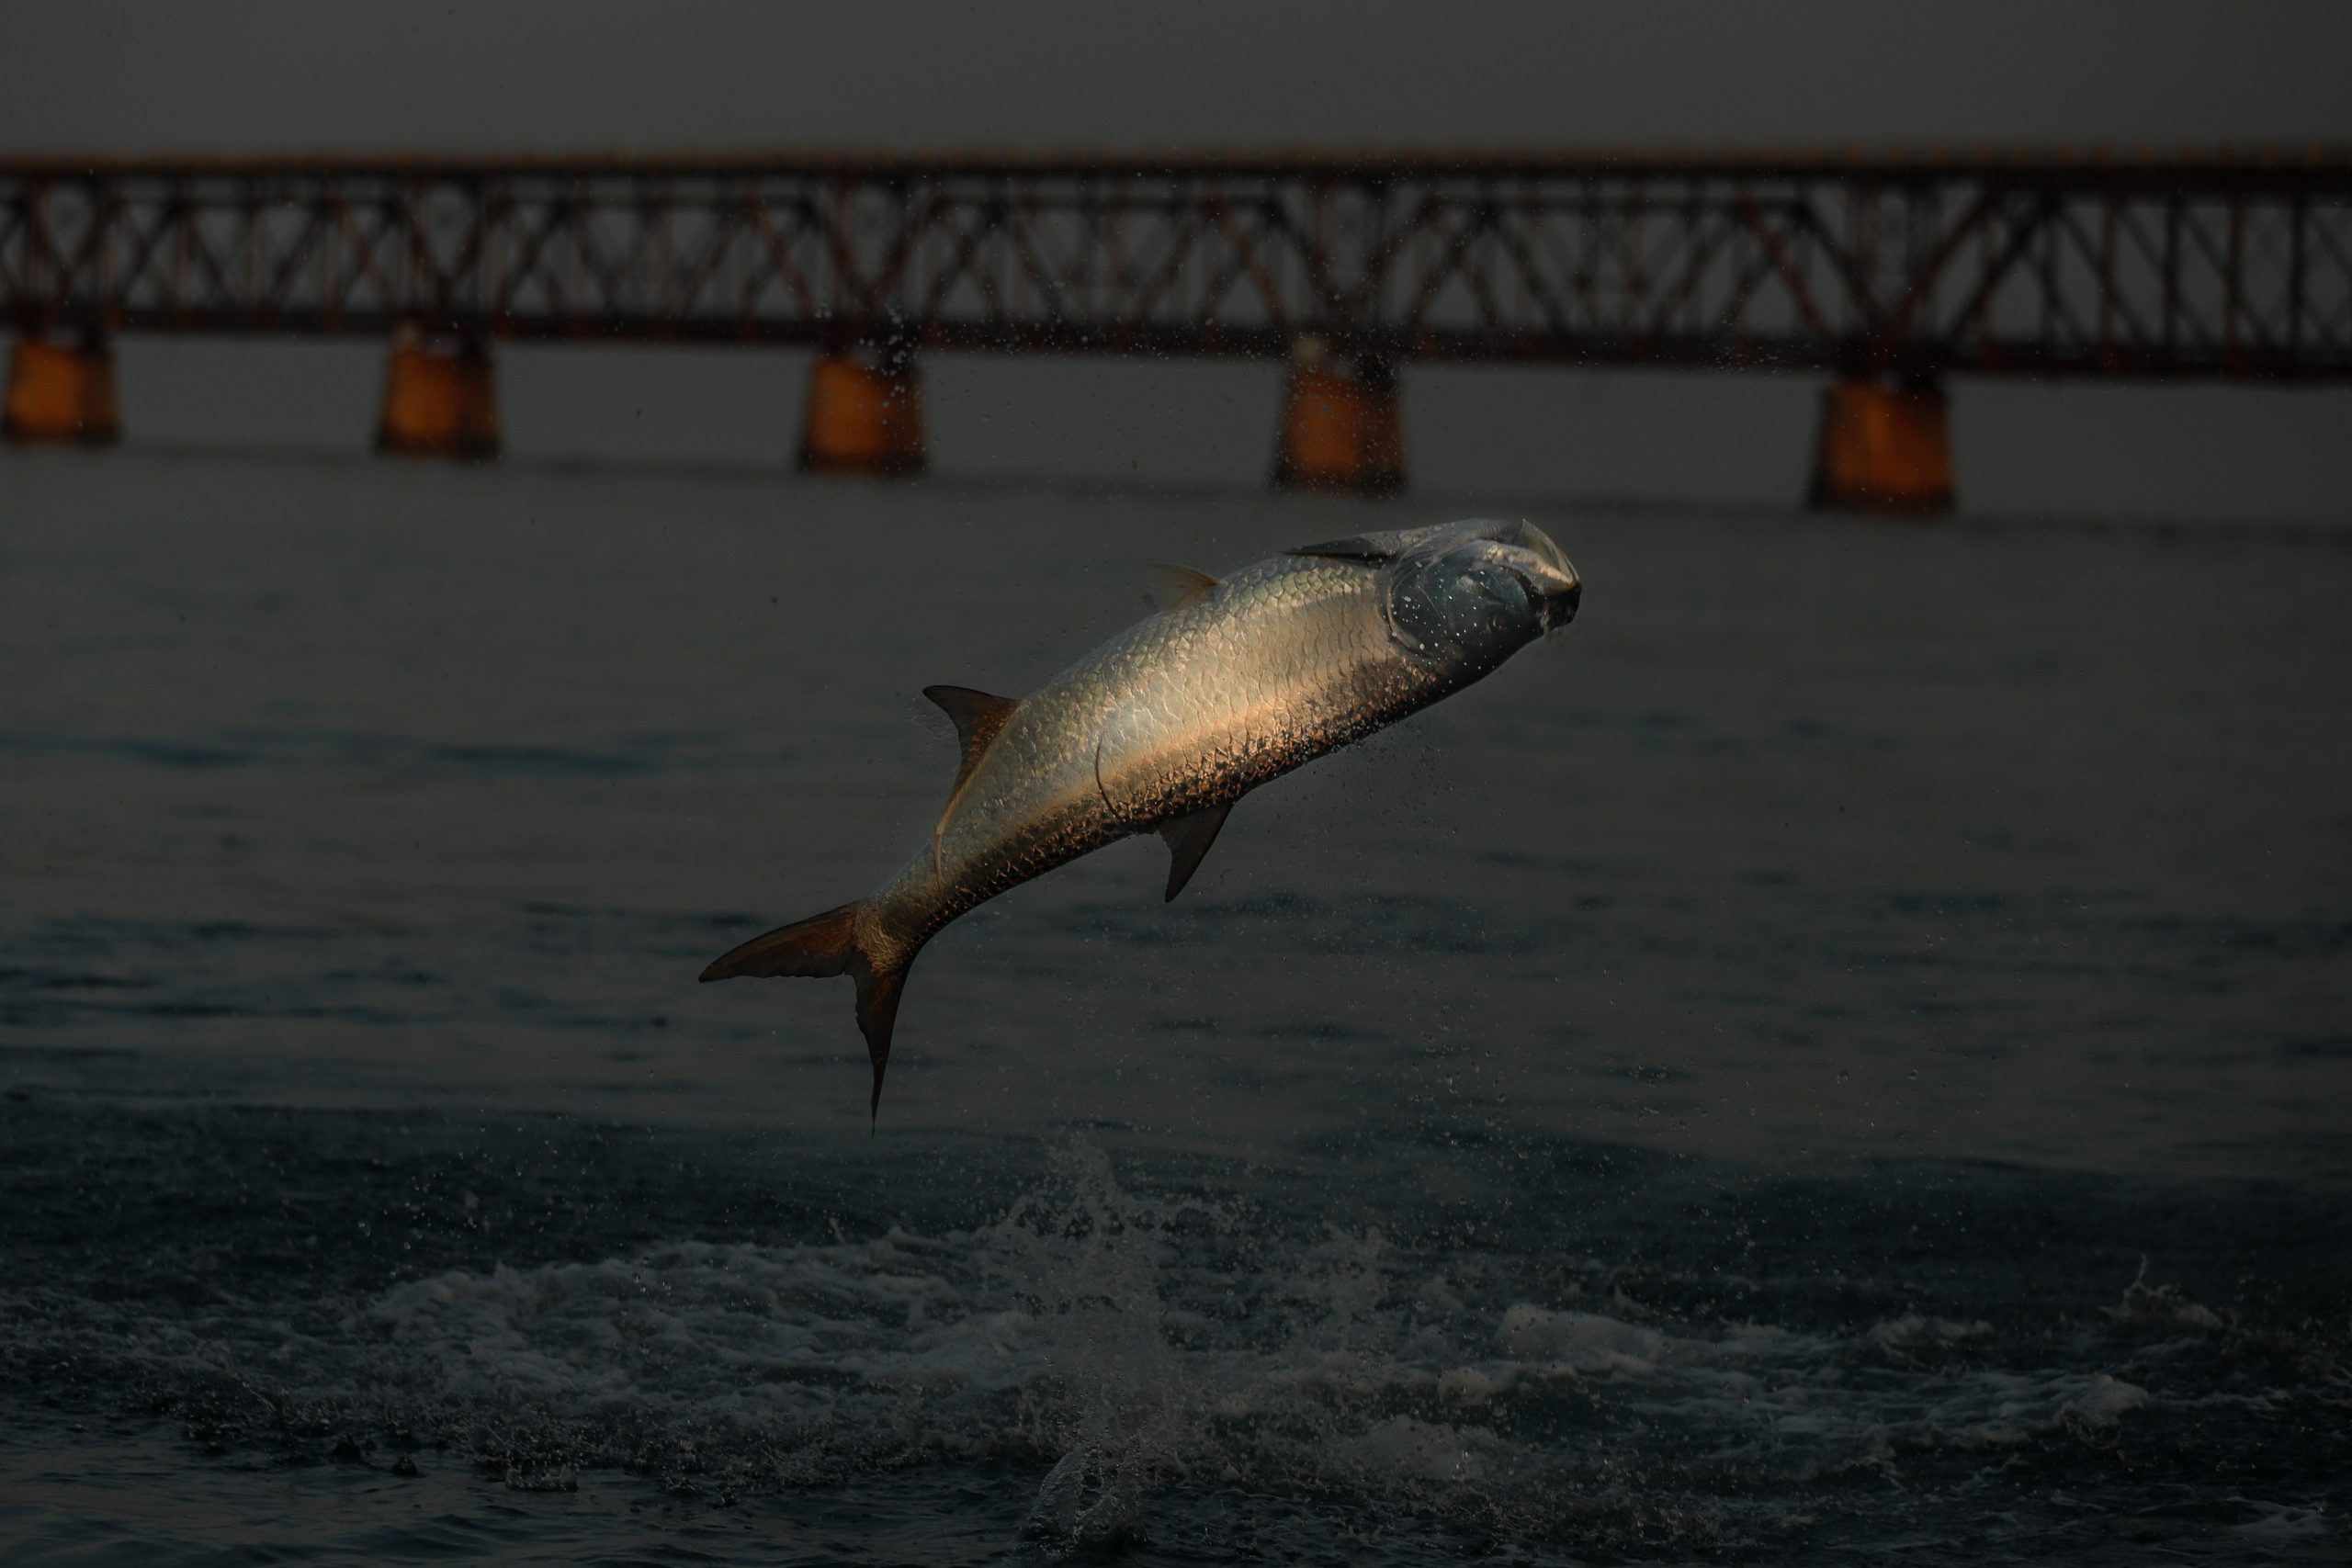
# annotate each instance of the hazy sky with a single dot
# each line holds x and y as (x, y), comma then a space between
(281, 72)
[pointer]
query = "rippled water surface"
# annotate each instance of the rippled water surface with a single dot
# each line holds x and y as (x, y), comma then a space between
(1843, 1057)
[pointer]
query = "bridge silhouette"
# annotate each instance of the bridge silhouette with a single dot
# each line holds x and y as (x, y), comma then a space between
(1888, 274)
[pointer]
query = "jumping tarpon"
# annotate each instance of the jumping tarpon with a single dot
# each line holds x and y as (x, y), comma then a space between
(1231, 682)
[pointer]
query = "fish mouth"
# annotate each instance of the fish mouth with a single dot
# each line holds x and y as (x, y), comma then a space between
(1558, 609)
(1555, 593)
(1554, 588)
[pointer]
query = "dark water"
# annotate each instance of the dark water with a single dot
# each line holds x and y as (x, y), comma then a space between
(1843, 1058)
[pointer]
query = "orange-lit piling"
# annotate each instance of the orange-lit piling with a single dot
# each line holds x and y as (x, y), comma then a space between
(438, 402)
(1341, 431)
(1884, 449)
(862, 418)
(62, 392)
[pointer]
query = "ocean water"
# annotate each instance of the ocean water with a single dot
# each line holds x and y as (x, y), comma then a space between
(1843, 1057)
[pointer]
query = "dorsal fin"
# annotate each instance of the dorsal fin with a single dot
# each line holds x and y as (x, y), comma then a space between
(1189, 839)
(1177, 586)
(978, 717)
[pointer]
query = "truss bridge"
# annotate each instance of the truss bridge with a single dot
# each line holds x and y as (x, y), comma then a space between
(1885, 274)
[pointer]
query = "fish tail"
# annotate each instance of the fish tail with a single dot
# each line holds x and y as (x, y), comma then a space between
(824, 945)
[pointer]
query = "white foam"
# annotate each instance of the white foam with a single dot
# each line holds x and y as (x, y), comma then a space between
(2285, 1522)
(2163, 1307)
(1584, 1340)
(2103, 1400)
(1912, 1331)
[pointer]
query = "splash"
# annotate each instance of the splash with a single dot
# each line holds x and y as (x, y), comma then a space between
(1084, 1256)
(1144, 1362)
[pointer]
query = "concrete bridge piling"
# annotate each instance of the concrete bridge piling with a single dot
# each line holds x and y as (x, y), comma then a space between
(1341, 428)
(62, 391)
(864, 415)
(1883, 448)
(439, 401)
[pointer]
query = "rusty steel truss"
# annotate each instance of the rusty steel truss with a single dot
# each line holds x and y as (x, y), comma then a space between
(2228, 264)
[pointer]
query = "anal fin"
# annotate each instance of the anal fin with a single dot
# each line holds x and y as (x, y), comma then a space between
(1189, 839)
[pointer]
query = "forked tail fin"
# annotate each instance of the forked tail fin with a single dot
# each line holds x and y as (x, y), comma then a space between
(823, 945)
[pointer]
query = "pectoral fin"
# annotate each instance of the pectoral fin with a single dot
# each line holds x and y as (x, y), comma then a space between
(1189, 839)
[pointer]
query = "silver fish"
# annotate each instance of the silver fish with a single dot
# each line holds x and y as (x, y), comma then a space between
(1164, 727)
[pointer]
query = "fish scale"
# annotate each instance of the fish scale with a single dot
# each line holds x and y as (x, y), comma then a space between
(1169, 723)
